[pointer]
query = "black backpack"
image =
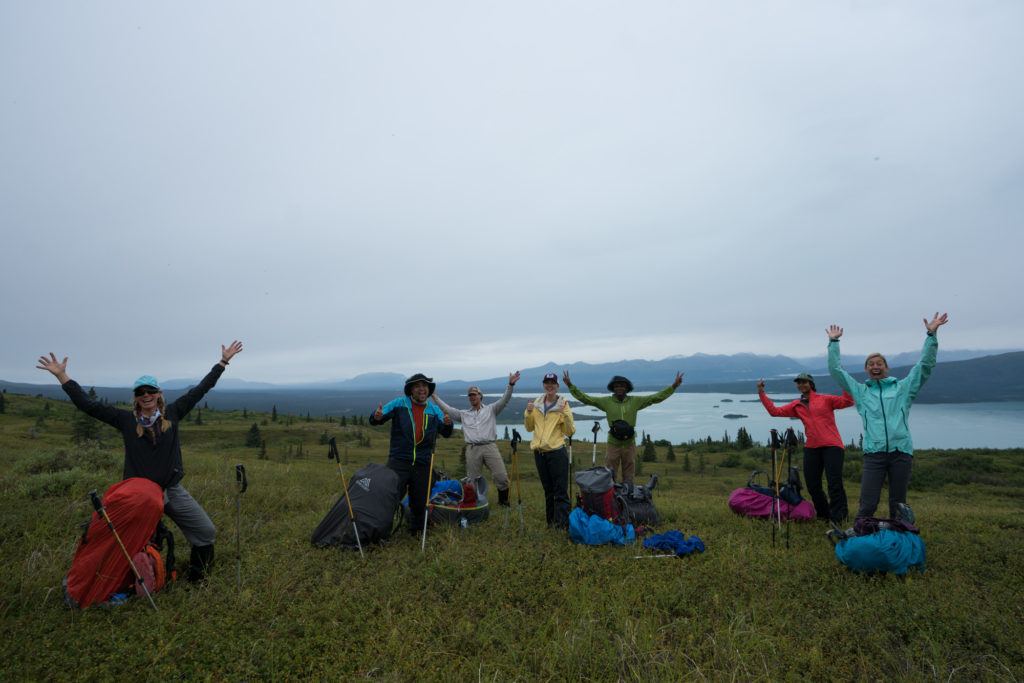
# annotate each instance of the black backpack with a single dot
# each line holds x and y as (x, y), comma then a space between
(637, 503)
(374, 497)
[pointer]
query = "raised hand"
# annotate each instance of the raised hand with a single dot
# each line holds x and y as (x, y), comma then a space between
(228, 352)
(834, 332)
(53, 366)
(513, 378)
(565, 378)
(379, 413)
(936, 322)
(447, 419)
(760, 385)
(529, 407)
(678, 380)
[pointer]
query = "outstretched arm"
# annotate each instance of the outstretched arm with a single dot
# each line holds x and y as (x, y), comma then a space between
(180, 408)
(788, 410)
(922, 370)
(580, 396)
(500, 404)
(661, 395)
(95, 409)
(448, 410)
(835, 366)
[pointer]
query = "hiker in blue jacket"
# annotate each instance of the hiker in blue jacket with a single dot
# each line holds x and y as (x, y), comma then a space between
(884, 406)
(415, 425)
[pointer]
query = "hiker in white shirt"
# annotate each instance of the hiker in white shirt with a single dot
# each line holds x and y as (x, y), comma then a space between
(480, 430)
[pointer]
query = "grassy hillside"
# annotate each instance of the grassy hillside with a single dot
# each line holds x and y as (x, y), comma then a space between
(496, 602)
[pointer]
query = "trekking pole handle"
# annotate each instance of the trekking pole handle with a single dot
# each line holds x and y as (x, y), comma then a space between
(96, 504)
(332, 450)
(775, 439)
(240, 479)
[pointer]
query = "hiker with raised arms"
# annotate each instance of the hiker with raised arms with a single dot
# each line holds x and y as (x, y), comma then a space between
(415, 424)
(620, 409)
(549, 417)
(480, 431)
(884, 406)
(152, 449)
(823, 449)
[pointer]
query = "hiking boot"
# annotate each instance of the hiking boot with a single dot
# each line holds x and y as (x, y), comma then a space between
(503, 497)
(904, 513)
(200, 563)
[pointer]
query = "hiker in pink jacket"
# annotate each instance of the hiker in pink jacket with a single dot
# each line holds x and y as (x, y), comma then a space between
(823, 449)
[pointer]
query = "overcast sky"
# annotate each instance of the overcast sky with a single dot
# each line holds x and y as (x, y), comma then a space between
(464, 188)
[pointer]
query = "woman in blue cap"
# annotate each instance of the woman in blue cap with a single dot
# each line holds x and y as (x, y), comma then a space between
(152, 449)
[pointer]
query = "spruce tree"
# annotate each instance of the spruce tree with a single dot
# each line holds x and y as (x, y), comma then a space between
(686, 461)
(252, 439)
(199, 418)
(650, 455)
(273, 413)
(670, 455)
(3, 408)
(344, 422)
(743, 440)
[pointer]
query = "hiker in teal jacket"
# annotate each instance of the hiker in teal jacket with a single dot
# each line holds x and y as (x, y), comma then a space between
(884, 406)
(621, 410)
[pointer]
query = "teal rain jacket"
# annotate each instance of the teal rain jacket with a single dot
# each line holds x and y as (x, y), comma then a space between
(884, 405)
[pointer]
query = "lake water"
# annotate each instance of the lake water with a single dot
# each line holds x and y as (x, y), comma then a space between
(683, 417)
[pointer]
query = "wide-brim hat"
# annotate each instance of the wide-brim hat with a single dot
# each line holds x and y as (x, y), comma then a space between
(420, 377)
(619, 379)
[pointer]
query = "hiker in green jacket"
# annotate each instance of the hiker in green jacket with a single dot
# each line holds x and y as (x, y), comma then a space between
(621, 410)
(884, 406)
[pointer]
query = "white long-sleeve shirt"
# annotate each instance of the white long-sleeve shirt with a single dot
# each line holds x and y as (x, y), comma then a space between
(479, 425)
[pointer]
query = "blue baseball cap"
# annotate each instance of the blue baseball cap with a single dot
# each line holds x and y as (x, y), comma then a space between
(146, 381)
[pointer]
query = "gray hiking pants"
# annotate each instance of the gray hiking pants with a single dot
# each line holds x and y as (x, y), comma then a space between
(480, 454)
(893, 465)
(189, 516)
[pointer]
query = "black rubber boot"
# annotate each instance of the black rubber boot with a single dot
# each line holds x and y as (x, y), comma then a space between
(503, 497)
(200, 563)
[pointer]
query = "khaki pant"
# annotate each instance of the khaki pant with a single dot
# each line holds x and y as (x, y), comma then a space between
(625, 455)
(486, 454)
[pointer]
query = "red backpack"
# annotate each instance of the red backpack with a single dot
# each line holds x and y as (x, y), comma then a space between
(597, 494)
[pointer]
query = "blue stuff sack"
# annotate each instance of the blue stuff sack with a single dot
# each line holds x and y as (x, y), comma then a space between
(676, 542)
(593, 530)
(882, 551)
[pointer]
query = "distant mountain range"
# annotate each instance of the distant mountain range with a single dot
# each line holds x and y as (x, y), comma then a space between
(980, 379)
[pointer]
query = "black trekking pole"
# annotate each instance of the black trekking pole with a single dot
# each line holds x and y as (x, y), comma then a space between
(593, 455)
(332, 454)
(776, 511)
(241, 485)
(516, 438)
(791, 444)
(135, 570)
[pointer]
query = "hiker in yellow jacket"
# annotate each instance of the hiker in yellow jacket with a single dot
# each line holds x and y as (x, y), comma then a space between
(549, 417)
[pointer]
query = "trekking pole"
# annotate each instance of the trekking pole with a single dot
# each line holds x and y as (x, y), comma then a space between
(593, 455)
(653, 557)
(775, 484)
(332, 454)
(426, 504)
(791, 444)
(516, 438)
(568, 484)
(241, 485)
(135, 570)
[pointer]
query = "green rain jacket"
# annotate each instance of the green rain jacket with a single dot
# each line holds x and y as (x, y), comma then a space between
(884, 405)
(625, 409)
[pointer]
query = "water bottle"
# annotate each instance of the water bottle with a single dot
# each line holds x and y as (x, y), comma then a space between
(463, 522)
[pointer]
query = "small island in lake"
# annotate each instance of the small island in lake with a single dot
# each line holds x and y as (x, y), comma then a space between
(734, 416)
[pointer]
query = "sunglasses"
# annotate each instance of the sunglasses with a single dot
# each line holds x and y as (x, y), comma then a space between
(146, 391)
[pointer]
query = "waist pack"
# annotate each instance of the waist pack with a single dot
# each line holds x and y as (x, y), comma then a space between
(597, 494)
(637, 503)
(621, 430)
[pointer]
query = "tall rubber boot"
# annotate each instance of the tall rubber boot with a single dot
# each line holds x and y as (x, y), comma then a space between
(503, 497)
(200, 562)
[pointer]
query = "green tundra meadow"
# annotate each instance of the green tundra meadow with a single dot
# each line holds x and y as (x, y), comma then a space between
(496, 602)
